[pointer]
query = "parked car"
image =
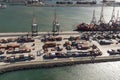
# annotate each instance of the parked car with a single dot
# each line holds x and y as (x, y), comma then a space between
(105, 42)
(113, 52)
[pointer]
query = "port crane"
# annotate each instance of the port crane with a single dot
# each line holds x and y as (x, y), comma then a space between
(56, 25)
(34, 27)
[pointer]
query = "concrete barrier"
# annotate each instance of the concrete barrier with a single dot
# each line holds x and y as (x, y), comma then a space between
(54, 63)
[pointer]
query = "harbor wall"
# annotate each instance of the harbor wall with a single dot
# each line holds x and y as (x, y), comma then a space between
(54, 63)
(39, 33)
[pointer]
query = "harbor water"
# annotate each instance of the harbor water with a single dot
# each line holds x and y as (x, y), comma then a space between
(18, 18)
(99, 71)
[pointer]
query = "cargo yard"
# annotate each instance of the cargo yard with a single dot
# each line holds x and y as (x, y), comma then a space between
(87, 45)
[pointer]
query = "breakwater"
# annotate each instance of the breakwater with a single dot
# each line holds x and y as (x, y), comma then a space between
(55, 63)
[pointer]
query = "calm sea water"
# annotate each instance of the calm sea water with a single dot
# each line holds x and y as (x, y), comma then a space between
(19, 18)
(99, 71)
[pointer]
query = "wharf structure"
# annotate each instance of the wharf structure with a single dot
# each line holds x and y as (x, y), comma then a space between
(39, 62)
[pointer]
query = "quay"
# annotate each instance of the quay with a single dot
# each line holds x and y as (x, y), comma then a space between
(106, 52)
(39, 33)
(81, 5)
(54, 63)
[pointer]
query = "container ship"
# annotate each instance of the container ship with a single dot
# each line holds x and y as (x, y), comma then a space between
(101, 25)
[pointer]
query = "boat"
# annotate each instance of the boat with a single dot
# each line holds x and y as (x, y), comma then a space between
(85, 27)
(101, 25)
(111, 2)
(71, 2)
(3, 6)
(86, 2)
(64, 2)
(105, 1)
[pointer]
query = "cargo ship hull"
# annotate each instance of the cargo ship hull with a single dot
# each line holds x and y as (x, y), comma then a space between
(101, 27)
